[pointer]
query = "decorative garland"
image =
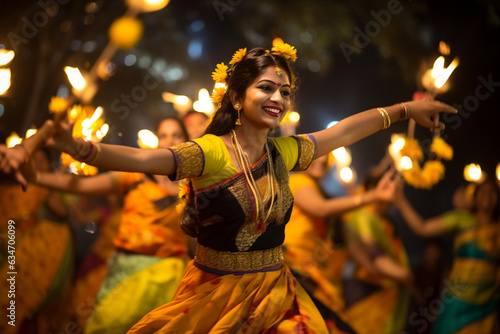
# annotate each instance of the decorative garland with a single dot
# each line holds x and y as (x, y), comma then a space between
(421, 174)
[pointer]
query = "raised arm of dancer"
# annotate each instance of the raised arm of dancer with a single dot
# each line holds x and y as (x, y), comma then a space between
(363, 124)
(105, 156)
(315, 204)
(101, 184)
(425, 228)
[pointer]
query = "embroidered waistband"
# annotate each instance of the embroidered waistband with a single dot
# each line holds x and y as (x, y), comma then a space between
(238, 261)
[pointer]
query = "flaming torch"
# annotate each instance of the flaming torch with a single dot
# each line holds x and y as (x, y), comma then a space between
(406, 152)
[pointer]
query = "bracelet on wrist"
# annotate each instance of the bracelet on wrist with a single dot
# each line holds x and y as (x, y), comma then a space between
(385, 116)
(405, 111)
(83, 151)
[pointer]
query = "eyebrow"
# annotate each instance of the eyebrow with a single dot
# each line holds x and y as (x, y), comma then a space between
(274, 83)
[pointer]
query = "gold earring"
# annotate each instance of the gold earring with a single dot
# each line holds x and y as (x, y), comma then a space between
(238, 108)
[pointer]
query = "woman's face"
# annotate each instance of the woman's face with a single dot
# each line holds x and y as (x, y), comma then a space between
(195, 125)
(169, 134)
(486, 197)
(267, 100)
(318, 167)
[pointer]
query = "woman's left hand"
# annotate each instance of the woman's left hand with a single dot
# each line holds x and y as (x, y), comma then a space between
(11, 161)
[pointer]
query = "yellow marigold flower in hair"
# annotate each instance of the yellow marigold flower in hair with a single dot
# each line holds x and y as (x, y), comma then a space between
(238, 56)
(220, 73)
(218, 94)
(285, 50)
(441, 148)
(57, 105)
(412, 149)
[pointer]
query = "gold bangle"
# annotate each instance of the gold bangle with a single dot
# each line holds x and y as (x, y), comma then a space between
(405, 112)
(92, 160)
(385, 116)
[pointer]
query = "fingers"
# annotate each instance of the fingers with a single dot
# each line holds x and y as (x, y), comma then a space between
(445, 107)
(19, 178)
(386, 179)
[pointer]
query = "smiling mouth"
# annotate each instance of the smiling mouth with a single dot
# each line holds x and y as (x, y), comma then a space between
(273, 111)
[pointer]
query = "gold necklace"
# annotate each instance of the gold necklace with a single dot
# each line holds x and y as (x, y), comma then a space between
(246, 167)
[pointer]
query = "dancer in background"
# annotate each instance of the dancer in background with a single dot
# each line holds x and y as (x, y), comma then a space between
(309, 251)
(41, 254)
(151, 249)
(471, 300)
(239, 198)
(378, 296)
(196, 123)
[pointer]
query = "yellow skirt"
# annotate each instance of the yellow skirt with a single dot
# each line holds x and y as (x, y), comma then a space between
(260, 302)
(135, 284)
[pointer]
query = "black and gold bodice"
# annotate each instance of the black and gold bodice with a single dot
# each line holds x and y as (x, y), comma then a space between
(224, 205)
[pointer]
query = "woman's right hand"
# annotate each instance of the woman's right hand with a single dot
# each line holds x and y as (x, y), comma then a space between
(426, 112)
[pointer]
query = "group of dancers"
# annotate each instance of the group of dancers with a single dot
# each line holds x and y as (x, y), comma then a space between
(245, 247)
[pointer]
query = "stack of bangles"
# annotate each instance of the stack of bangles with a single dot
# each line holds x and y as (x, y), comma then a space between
(405, 112)
(87, 153)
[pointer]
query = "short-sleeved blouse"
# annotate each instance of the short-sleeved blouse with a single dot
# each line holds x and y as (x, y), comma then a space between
(224, 205)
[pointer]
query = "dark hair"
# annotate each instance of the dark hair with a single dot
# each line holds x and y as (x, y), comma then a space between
(179, 122)
(240, 77)
(496, 210)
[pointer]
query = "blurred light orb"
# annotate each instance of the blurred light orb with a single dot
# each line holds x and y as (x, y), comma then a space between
(125, 32)
(406, 163)
(130, 60)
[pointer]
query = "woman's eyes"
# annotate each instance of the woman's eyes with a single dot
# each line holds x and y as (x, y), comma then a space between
(268, 89)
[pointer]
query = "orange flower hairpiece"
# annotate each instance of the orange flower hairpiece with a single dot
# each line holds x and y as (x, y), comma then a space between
(285, 50)
(218, 94)
(238, 56)
(220, 73)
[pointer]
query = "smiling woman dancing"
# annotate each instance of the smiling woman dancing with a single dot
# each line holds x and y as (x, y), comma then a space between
(239, 199)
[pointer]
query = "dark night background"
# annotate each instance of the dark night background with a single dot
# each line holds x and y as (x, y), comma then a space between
(385, 71)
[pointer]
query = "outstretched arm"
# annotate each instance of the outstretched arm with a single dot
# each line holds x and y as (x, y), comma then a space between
(425, 228)
(313, 203)
(361, 125)
(114, 157)
(101, 184)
